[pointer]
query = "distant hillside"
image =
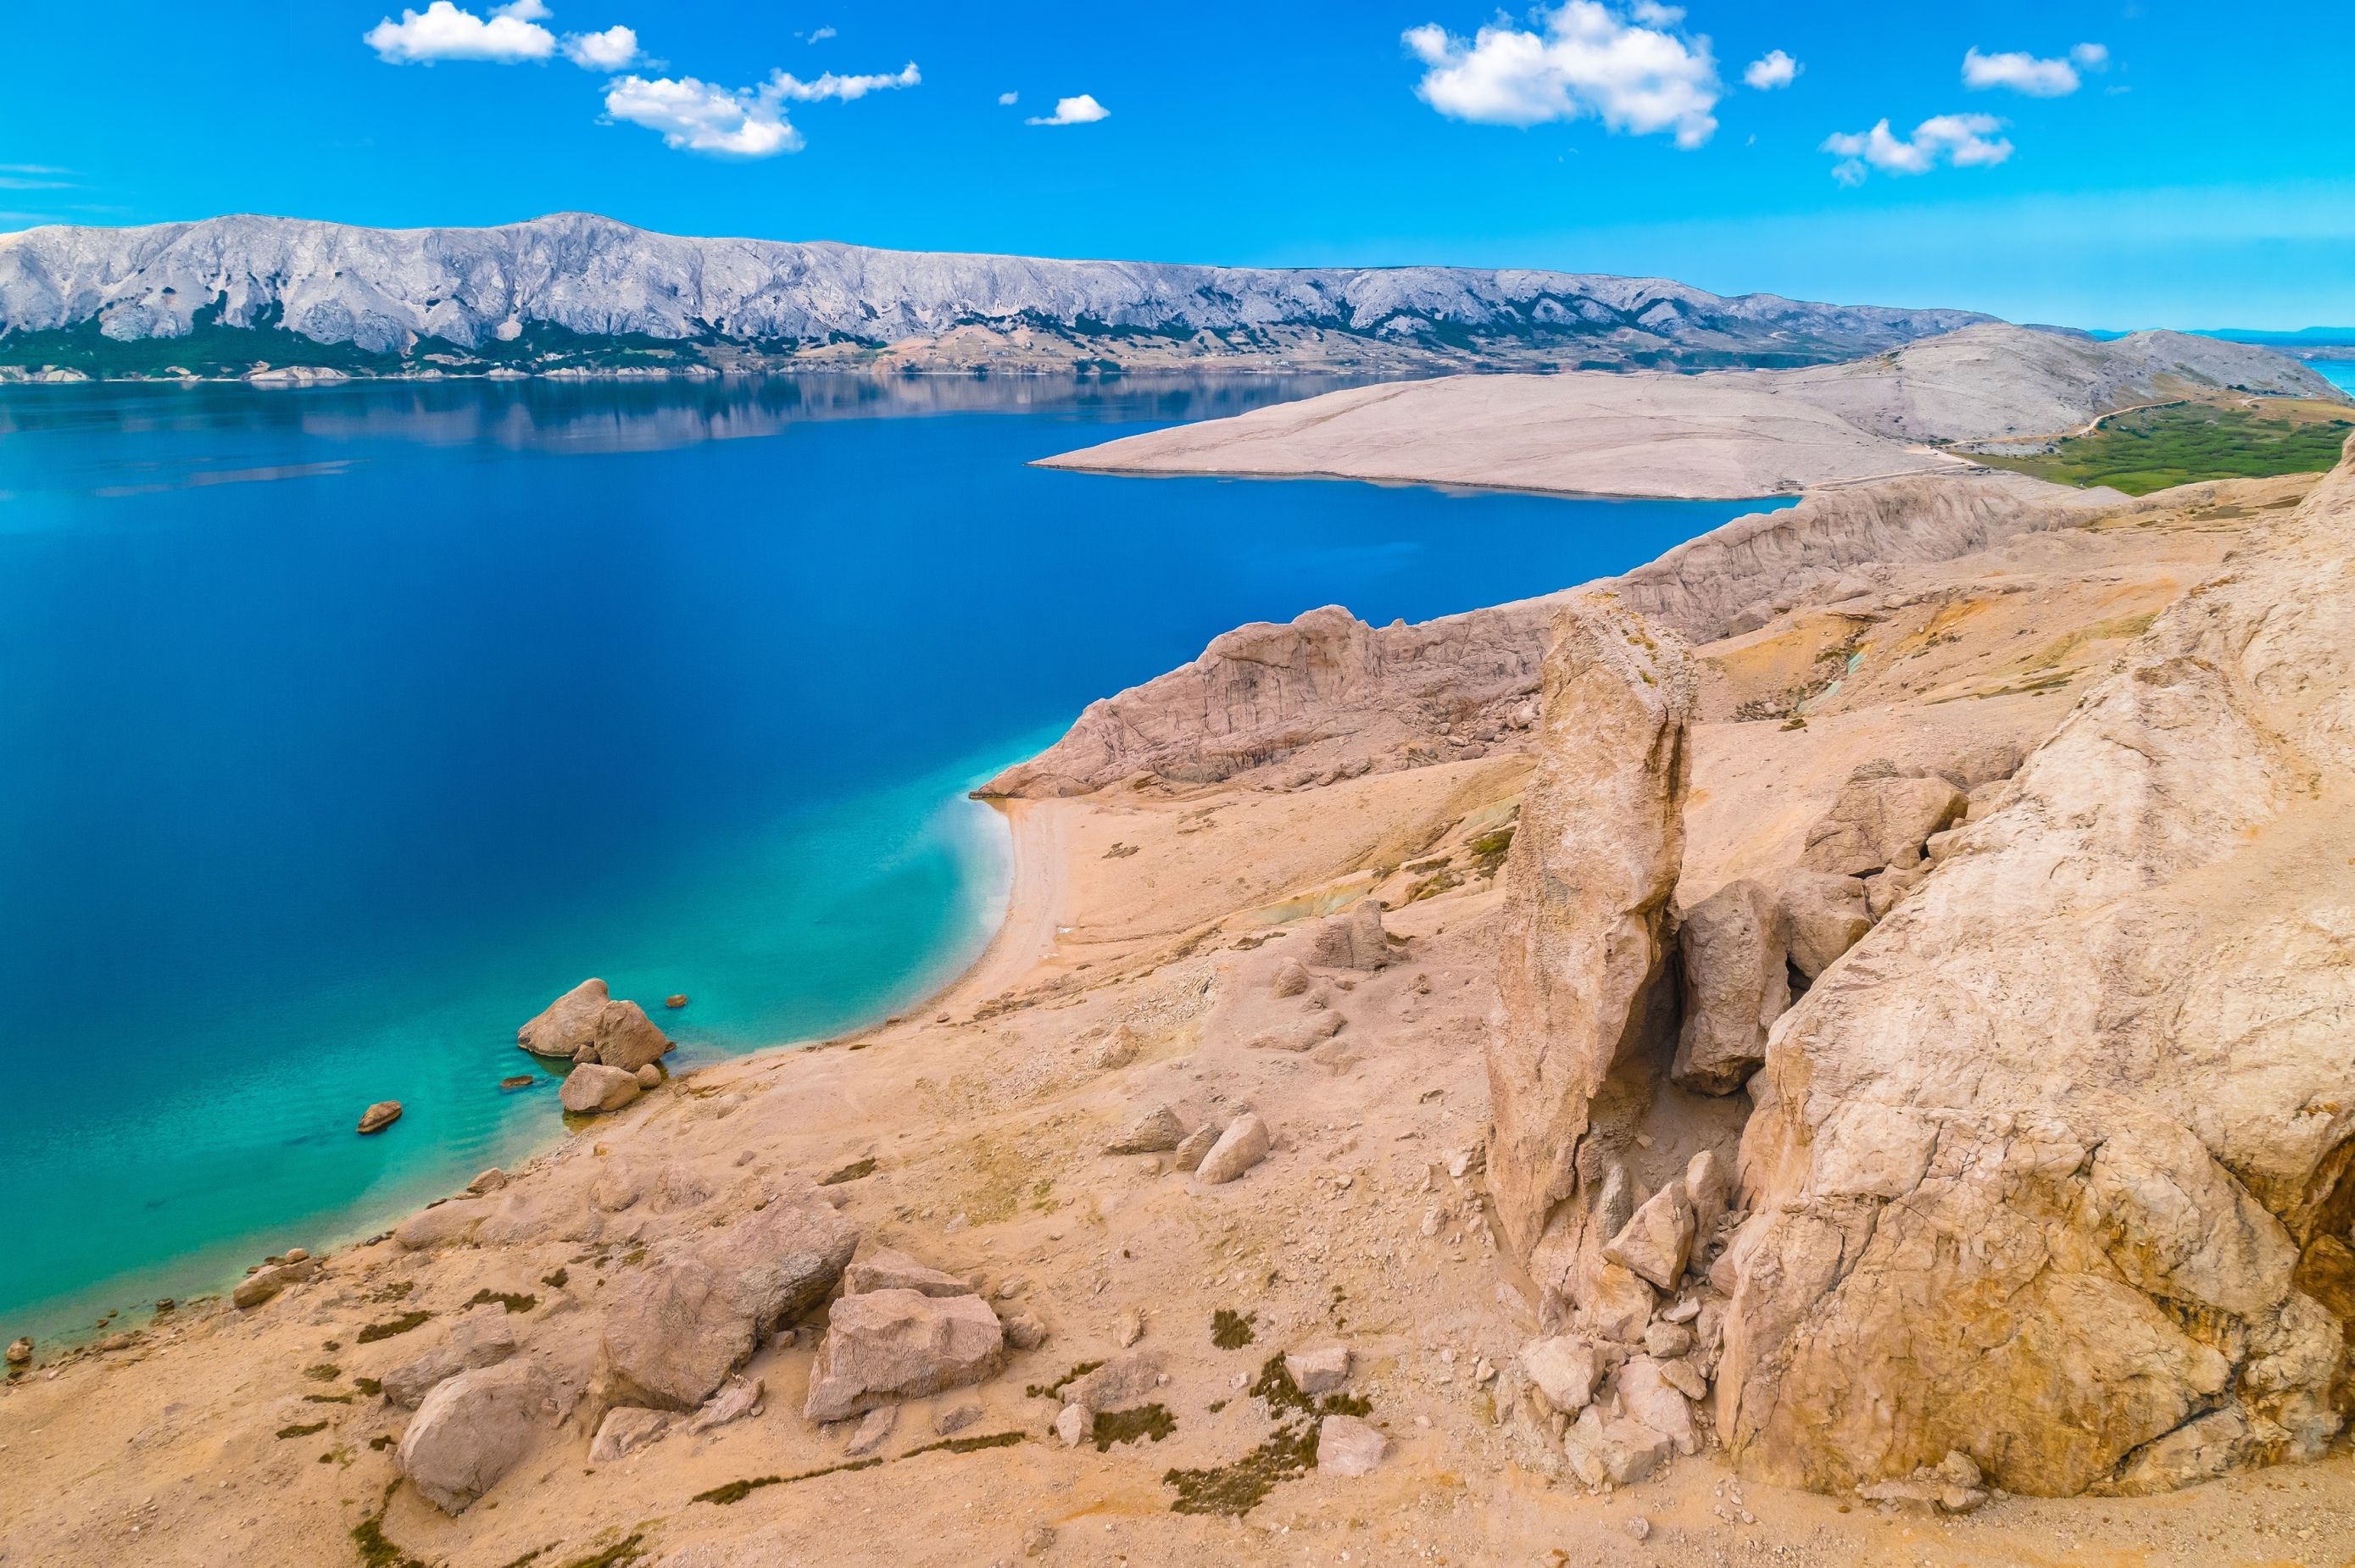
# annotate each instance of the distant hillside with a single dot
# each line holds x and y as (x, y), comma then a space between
(576, 293)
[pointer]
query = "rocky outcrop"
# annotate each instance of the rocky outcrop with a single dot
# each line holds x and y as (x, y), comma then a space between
(885, 1345)
(1732, 952)
(1354, 940)
(1586, 923)
(2053, 1170)
(586, 1025)
(472, 1429)
(482, 1337)
(1325, 690)
(705, 1299)
(886, 1269)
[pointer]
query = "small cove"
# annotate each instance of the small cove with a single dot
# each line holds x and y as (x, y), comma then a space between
(342, 728)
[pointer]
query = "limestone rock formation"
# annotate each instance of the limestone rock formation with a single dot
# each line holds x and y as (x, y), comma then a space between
(1122, 1383)
(1157, 1131)
(586, 1025)
(887, 1269)
(1325, 688)
(472, 1430)
(1822, 916)
(704, 1300)
(1349, 1446)
(1880, 819)
(2050, 1171)
(1586, 934)
(590, 1089)
(900, 1344)
(1354, 940)
(482, 1337)
(1733, 952)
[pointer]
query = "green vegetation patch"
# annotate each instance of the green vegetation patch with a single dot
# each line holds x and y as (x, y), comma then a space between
(375, 1551)
(1488, 851)
(1236, 1489)
(1282, 1395)
(1112, 1426)
(393, 1326)
(968, 1444)
(2154, 449)
(1055, 1390)
(285, 1431)
(507, 1298)
(325, 1372)
(736, 1491)
(627, 1550)
(1230, 1330)
(851, 1172)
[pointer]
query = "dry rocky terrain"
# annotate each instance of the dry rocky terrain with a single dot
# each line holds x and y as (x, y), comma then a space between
(1850, 1070)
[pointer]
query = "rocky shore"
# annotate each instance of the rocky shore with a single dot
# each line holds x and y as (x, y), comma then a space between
(1830, 1049)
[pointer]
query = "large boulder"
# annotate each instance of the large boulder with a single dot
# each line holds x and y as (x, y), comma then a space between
(885, 1345)
(472, 1429)
(1880, 819)
(703, 1301)
(264, 1284)
(585, 1024)
(2049, 1175)
(482, 1338)
(1586, 923)
(1732, 952)
(590, 1089)
(1823, 915)
(1354, 940)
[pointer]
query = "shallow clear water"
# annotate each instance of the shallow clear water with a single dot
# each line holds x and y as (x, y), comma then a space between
(2338, 372)
(341, 728)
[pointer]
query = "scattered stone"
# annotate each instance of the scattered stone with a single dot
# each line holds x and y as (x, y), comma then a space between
(885, 1269)
(700, 1305)
(737, 1399)
(1192, 1147)
(490, 1181)
(378, 1116)
(676, 1001)
(625, 1428)
(1129, 1326)
(1565, 1368)
(900, 1344)
(1686, 1377)
(1300, 1034)
(1352, 941)
(956, 1418)
(1683, 1311)
(1243, 1145)
(1118, 1049)
(1638, 1528)
(591, 1090)
(586, 1025)
(1620, 1452)
(1072, 1425)
(1951, 1485)
(1036, 1540)
(1665, 1339)
(649, 1076)
(1291, 977)
(1650, 1397)
(476, 1340)
(1620, 1305)
(1025, 1331)
(1122, 1383)
(472, 1430)
(1657, 1243)
(265, 1283)
(873, 1429)
(20, 1350)
(1346, 1446)
(1156, 1132)
(1322, 1369)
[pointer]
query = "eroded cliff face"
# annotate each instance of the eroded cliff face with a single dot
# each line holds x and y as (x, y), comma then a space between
(2052, 1168)
(1582, 975)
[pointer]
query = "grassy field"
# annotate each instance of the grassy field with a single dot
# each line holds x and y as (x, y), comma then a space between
(2152, 449)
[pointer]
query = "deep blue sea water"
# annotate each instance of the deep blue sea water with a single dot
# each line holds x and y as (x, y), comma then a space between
(342, 728)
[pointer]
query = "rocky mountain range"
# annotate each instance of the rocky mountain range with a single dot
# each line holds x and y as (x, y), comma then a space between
(576, 291)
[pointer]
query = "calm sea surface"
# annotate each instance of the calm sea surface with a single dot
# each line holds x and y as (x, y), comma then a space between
(341, 728)
(2338, 372)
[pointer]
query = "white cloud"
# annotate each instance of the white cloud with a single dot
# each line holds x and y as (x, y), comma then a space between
(2092, 57)
(443, 32)
(700, 117)
(31, 177)
(1772, 70)
(1654, 15)
(1960, 140)
(817, 35)
(1082, 111)
(2019, 72)
(784, 84)
(616, 48)
(1008, 99)
(523, 11)
(1589, 61)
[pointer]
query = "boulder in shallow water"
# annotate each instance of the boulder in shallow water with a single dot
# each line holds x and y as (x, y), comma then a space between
(585, 1024)
(378, 1116)
(265, 1283)
(590, 1089)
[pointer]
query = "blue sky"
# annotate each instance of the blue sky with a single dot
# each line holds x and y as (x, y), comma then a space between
(2103, 163)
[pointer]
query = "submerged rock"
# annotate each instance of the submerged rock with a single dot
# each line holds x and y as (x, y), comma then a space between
(378, 1116)
(590, 1089)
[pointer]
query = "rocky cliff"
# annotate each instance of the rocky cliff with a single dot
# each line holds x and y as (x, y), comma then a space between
(2053, 1168)
(467, 292)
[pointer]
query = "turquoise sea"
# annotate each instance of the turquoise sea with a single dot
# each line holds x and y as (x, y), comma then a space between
(2338, 372)
(342, 728)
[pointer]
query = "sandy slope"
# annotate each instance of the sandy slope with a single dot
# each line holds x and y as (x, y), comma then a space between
(1163, 909)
